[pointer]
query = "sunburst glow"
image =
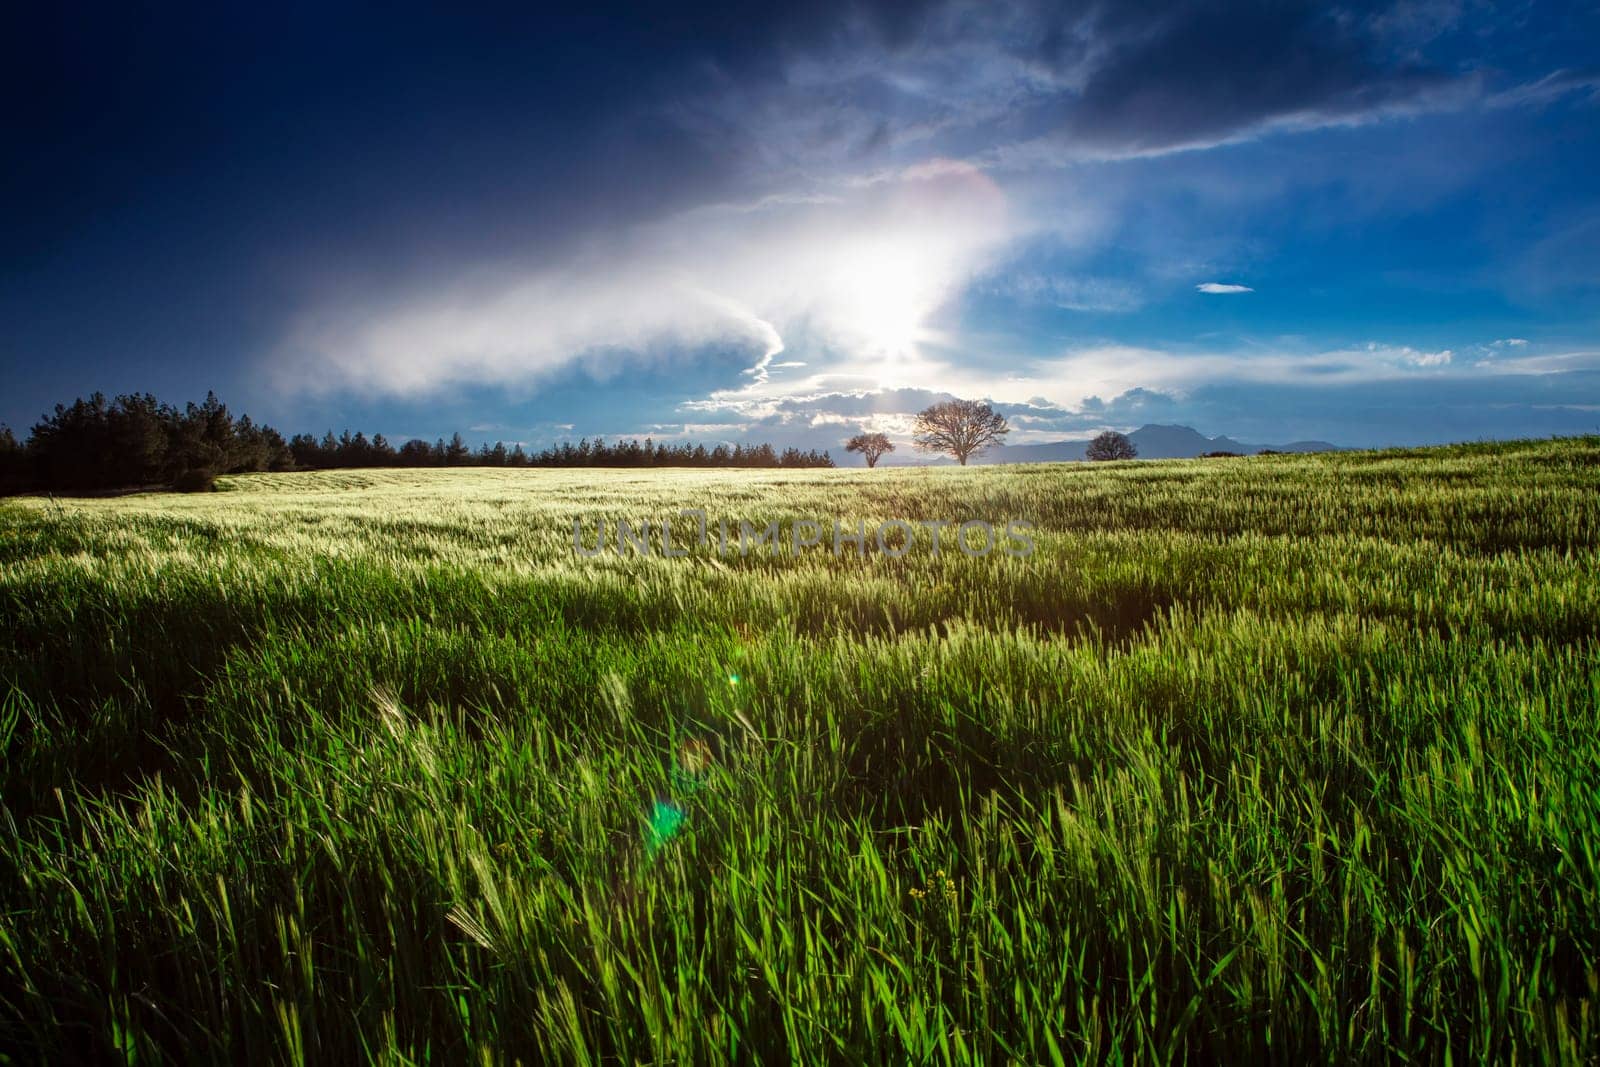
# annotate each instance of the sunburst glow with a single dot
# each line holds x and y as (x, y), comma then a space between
(885, 295)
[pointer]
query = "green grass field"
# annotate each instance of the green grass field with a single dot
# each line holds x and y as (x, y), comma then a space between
(1283, 758)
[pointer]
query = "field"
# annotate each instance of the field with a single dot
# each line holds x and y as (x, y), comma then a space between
(1282, 758)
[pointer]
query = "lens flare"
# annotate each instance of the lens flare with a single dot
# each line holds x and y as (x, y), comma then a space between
(687, 777)
(666, 819)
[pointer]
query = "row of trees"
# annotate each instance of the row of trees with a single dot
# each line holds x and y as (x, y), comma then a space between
(356, 450)
(136, 440)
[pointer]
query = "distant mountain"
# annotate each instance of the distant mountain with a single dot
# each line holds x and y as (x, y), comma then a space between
(1152, 441)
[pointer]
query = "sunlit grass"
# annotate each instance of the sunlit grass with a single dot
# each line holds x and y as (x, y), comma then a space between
(1290, 757)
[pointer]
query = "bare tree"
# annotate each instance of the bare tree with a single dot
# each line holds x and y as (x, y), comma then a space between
(962, 428)
(870, 445)
(1111, 445)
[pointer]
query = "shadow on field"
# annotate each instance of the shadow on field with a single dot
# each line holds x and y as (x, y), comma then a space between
(111, 687)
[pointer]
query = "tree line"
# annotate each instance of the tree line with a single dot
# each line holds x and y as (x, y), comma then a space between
(356, 450)
(136, 440)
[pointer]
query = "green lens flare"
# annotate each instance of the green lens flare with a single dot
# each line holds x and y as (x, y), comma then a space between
(666, 819)
(686, 777)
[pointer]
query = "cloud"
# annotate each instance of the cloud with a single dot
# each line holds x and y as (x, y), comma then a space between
(1549, 363)
(1113, 369)
(1202, 74)
(1025, 86)
(1426, 359)
(1152, 382)
(1550, 87)
(871, 166)
(1066, 292)
(1350, 396)
(862, 271)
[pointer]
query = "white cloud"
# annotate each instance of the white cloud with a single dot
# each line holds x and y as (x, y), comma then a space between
(1553, 363)
(1222, 287)
(1553, 85)
(1062, 394)
(1423, 359)
(1070, 293)
(861, 273)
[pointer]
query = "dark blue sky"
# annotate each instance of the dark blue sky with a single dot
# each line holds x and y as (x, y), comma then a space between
(1371, 224)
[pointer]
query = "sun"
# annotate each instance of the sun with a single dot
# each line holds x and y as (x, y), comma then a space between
(885, 297)
(892, 331)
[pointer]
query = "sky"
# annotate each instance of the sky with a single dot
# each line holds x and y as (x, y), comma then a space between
(1366, 224)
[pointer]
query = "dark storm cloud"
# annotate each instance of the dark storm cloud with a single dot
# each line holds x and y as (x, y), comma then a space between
(366, 131)
(1131, 78)
(1209, 71)
(372, 137)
